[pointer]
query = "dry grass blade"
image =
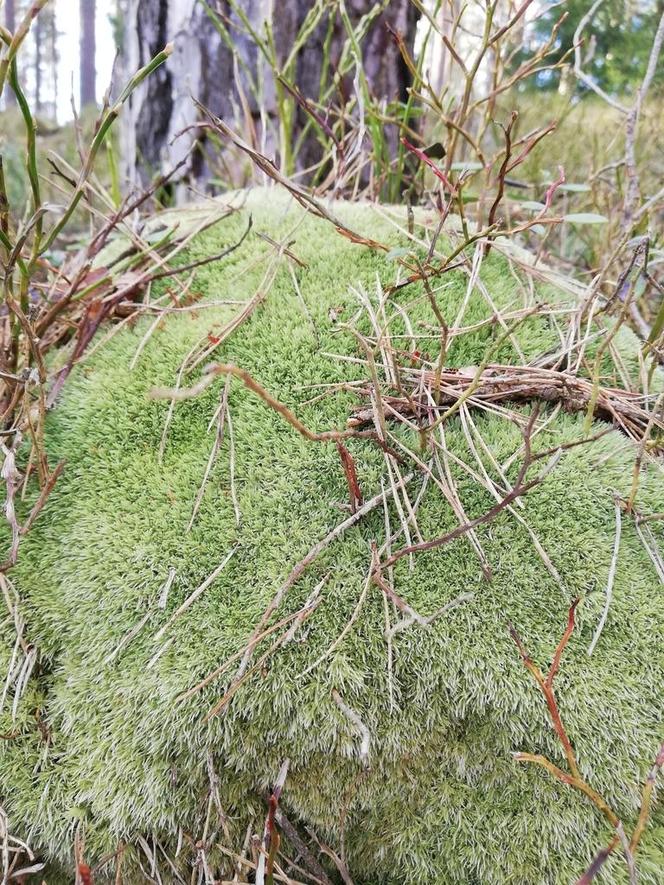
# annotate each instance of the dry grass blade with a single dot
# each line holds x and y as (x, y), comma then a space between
(609, 581)
(358, 724)
(191, 599)
(302, 195)
(299, 570)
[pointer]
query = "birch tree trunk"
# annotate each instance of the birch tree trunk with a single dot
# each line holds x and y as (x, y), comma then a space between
(88, 51)
(10, 24)
(202, 66)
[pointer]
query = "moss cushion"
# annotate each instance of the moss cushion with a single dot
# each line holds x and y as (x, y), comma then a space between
(118, 755)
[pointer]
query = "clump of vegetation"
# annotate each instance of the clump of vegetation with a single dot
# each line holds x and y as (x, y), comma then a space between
(220, 608)
(297, 485)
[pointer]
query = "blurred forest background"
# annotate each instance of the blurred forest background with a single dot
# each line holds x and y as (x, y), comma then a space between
(532, 119)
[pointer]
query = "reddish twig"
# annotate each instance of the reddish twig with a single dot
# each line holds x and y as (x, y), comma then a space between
(350, 472)
(440, 175)
(546, 685)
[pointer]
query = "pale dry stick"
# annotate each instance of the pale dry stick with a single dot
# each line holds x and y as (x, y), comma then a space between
(365, 301)
(651, 548)
(312, 866)
(629, 856)
(467, 422)
(521, 487)
(448, 486)
(378, 415)
(294, 620)
(214, 780)
(514, 341)
(399, 602)
(476, 380)
(166, 588)
(409, 620)
(386, 547)
(359, 725)
(231, 470)
(386, 605)
(346, 630)
(646, 800)
(399, 508)
(153, 306)
(189, 601)
(12, 477)
(174, 869)
(464, 414)
(242, 861)
(340, 865)
(472, 280)
(136, 629)
(620, 367)
(305, 612)
(452, 494)
(220, 416)
(305, 309)
(21, 683)
(297, 572)
(127, 638)
(610, 579)
(311, 602)
(102, 340)
(151, 329)
(242, 316)
(204, 306)
(173, 396)
(427, 469)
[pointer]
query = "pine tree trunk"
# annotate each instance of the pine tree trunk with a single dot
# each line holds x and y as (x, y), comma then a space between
(202, 66)
(88, 73)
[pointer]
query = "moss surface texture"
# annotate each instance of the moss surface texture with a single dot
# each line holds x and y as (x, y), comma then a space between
(120, 757)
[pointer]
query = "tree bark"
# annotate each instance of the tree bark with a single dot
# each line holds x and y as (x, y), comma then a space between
(203, 66)
(10, 24)
(88, 49)
(39, 46)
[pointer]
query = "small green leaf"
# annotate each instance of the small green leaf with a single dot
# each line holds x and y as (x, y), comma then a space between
(397, 252)
(469, 166)
(585, 218)
(575, 188)
(532, 204)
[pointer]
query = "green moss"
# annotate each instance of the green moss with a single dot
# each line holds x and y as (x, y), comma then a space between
(443, 800)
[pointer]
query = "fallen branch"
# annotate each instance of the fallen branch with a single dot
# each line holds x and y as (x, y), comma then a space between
(499, 383)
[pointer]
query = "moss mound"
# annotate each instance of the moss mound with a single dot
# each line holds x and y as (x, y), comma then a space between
(121, 757)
